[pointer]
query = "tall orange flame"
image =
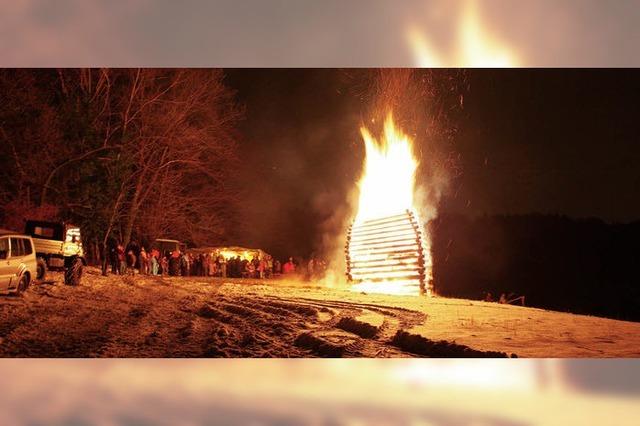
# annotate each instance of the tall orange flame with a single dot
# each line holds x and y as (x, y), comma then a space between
(387, 184)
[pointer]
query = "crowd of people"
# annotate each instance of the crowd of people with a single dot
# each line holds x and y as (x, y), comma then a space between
(316, 267)
(136, 259)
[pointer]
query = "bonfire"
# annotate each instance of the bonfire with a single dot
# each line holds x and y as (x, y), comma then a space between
(387, 250)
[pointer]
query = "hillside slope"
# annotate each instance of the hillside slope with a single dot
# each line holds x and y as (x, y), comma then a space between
(139, 316)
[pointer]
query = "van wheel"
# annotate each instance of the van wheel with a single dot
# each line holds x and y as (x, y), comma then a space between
(73, 273)
(41, 269)
(23, 284)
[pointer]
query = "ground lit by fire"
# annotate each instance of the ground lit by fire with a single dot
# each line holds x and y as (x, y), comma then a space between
(142, 316)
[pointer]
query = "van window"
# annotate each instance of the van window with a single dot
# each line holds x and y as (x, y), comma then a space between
(4, 248)
(28, 247)
(17, 248)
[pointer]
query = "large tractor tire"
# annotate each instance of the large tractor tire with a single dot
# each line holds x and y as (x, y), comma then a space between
(73, 274)
(23, 284)
(41, 269)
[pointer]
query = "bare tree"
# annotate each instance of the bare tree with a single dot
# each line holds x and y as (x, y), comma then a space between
(128, 152)
(178, 136)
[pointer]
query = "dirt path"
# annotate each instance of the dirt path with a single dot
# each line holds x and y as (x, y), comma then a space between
(195, 317)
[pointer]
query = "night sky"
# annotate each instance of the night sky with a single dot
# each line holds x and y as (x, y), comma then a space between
(527, 141)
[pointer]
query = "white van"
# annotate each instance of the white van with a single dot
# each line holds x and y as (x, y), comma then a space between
(18, 264)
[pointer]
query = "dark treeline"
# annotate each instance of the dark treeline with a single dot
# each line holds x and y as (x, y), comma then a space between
(582, 266)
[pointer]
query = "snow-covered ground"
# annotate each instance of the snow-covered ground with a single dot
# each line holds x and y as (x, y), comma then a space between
(140, 316)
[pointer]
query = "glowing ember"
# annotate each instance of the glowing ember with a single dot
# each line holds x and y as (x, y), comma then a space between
(387, 250)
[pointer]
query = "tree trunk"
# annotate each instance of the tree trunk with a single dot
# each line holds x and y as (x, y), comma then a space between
(105, 257)
(98, 254)
(133, 212)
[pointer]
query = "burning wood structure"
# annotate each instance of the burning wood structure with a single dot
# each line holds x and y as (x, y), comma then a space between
(387, 250)
(387, 255)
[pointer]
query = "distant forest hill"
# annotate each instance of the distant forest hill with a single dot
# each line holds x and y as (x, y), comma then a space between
(583, 266)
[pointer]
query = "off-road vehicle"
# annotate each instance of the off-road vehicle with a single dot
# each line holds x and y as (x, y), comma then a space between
(58, 247)
(165, 246)
(173, 248)
(17, 262)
